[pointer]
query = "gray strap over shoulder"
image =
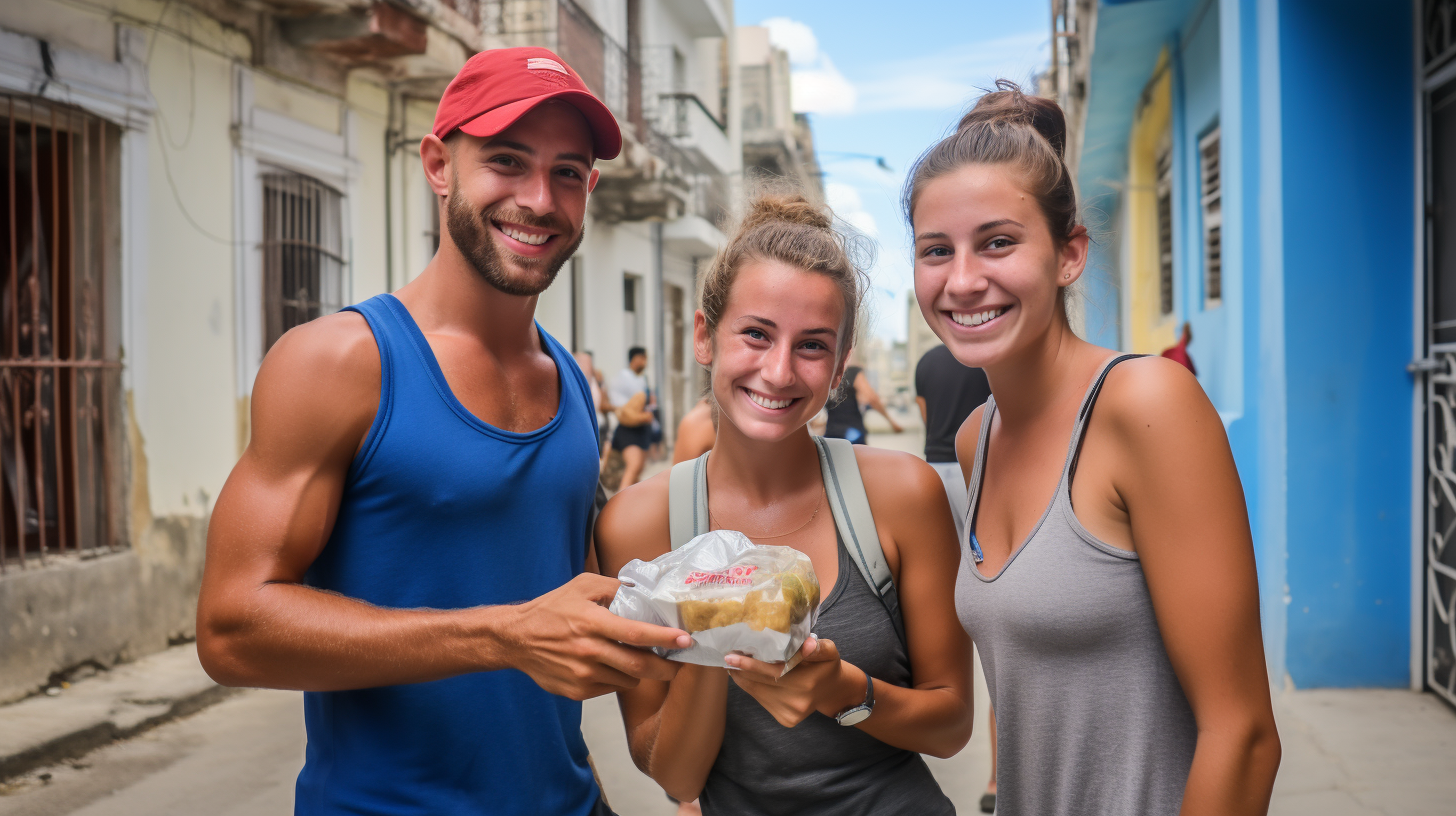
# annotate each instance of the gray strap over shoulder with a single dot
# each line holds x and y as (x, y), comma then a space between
(851, 507)
(687, 500)
(687, 515)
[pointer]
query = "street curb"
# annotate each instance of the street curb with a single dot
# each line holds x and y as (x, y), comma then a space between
(85, 740)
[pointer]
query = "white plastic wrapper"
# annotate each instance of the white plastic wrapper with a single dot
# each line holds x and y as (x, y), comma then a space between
(731, 595)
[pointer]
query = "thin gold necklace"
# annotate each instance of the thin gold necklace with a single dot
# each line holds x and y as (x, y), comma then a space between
(713, 520)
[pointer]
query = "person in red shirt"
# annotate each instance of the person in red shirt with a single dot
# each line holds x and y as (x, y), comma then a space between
(1178, 352)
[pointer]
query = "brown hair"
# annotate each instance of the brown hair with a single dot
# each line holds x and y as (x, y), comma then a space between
(1007, 127)
(787, 227)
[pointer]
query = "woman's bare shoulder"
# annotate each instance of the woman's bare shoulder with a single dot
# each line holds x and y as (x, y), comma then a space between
(899, 483)
(633, 524)
(1149, 400)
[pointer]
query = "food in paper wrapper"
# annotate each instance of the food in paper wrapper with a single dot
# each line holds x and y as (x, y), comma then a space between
(732, 596)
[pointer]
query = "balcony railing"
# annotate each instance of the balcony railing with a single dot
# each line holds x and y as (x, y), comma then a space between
(684, 119)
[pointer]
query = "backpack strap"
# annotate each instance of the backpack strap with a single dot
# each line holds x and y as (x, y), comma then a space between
(856, 523)
(687, 500)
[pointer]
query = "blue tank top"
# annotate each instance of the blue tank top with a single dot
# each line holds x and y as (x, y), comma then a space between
(442, 510)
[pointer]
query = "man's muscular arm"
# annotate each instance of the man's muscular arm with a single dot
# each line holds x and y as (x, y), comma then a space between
(258, 625)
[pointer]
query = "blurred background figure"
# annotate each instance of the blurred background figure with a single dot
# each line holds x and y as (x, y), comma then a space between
(845, 416)
(588, 367)
(947, 392)
(695, 433)
(628, 392)
(1178, 352)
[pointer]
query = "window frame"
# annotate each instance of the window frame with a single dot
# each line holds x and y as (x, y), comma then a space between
(1210, 207)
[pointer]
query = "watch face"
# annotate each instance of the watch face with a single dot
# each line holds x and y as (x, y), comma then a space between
(854, 716)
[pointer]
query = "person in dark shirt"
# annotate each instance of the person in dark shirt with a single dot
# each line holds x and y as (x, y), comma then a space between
(845, 419)
(947, 392)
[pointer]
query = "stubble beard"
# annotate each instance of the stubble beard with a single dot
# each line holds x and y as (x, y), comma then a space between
(470, 230)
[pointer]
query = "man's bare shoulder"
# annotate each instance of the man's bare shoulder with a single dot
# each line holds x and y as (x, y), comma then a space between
(319, 384)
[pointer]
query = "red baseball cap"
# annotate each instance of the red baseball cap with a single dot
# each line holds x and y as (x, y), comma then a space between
(497, 87)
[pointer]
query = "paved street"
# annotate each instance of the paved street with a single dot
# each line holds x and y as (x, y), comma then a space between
(1346, 753)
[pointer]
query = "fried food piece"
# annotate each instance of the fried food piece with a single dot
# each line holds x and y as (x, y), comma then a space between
(728, 613)
(796, 595)
(769, 615)
(696, 615)
(797, 591)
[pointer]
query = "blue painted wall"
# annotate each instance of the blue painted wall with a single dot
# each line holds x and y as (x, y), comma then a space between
(1347, 177)
(1305, 357)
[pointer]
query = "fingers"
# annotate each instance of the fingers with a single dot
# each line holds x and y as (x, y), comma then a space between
(643, 635)
(824, 652)
(638, 664)
(755, 669)
(599, 589)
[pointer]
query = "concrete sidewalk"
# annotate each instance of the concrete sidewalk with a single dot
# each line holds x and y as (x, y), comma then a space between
(116, 704)
(1364, 751)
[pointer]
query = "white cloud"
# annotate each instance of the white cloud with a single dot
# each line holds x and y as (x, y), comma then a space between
(823, 89)
(846, 202)
(952, 78)
(794, 37)
(817, 85)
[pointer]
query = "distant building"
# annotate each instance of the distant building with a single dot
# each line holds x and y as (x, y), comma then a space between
(777, 143)
(1280, 174)
(918, 336)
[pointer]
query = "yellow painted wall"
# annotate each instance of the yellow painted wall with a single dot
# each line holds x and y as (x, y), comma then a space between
(1148, 331)
(369, 106)
(188, 418)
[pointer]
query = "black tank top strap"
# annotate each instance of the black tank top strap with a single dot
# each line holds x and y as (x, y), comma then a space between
(1084, 415)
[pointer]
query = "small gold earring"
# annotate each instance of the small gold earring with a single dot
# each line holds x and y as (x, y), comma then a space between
(1068, 275)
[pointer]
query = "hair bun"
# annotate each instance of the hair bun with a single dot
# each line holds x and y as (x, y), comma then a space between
(1008, 104)
(791, 208)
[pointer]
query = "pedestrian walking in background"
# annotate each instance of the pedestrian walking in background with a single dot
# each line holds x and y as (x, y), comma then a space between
(777, 320)
(845, 416)
(946, 392)
(629, 393)
(413, 510)
(1107, 574)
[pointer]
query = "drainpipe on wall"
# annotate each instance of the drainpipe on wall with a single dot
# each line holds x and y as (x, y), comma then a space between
(659, 343)
(390, 137)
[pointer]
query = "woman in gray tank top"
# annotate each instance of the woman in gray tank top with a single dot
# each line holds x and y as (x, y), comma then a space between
(774, 330)
(1107, 573)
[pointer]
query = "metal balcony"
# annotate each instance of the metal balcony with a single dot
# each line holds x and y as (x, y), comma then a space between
(684, 119)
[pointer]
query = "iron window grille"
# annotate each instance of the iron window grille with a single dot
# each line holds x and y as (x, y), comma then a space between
(1165, 228)
(60, 372)
(1209, 170)
(303, 252)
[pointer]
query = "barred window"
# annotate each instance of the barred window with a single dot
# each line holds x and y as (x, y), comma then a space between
(303, 252)
(1212, 205)
(60, 375)
(1165, 229)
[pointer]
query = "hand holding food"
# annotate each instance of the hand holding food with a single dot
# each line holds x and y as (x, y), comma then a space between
(732, 596)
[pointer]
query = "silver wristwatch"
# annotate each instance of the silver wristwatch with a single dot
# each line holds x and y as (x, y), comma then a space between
(861, 712)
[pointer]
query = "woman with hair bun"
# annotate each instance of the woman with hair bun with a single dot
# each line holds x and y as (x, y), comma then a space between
(884, 681)
(1107, 575)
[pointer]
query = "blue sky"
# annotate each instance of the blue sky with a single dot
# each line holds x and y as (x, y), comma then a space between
(888, 79)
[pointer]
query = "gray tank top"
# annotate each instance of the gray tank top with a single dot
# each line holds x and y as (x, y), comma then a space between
(1090, 718)
(820, 766)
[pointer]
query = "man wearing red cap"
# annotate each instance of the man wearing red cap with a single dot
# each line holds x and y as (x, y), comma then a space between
(406, 538)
